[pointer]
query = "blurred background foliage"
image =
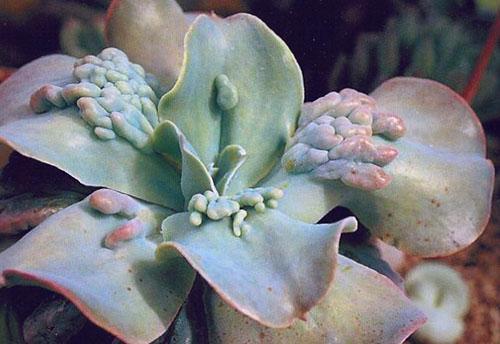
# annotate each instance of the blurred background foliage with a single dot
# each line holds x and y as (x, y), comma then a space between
(339, 43)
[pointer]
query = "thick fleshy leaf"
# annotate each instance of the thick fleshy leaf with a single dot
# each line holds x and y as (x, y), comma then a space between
(173, 145)
(195, 176)
(275, 272)
(438, 202)
(124, 290)
(362, 307)
(62, 139)
(151, 33)
(433, 113)
(440, 197)
(305, 198)
(15, 92)
(166, 142)
(240, 85)
(230, 160)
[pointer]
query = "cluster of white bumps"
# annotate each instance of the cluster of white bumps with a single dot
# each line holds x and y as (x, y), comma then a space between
(114, 96)
(216, 207)
(334, 140)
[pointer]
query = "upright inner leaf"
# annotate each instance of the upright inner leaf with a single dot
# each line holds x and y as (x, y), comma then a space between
(240, 85)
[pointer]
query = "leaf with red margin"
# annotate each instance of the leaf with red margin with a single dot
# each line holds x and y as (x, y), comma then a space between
(124, 290)
(440, 198)
(275, 272)
(362, 307)
(151, 33)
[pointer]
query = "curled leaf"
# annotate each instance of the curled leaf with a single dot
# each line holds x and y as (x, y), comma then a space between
(55, 136)
(361, 307)
(275, 272)
(124, 290)
(439, 200)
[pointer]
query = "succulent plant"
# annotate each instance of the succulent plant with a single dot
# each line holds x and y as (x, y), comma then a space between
(443, 295)
(225, 176)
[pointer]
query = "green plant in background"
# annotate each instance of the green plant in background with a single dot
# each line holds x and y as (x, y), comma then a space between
(213, 166)
(423, 43)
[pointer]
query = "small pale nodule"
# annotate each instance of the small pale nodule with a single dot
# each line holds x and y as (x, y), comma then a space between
(216, 207)
(227, 94)
(195, 218)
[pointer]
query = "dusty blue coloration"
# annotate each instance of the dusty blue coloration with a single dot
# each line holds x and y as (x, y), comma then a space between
(213, 207)
(333, 140)
(215, 173)
(114, 96)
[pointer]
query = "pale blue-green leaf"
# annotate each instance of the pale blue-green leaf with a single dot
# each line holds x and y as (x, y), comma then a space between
(275, 272)
(62, 139)
(230, 160)
(305, 198)
(151, 33)
(259, 108)
(434, 115)
(195, 177)
(362, 307)
(15, 92)
(440, 197)
(438, 202)
(166, 142)
(124, 290)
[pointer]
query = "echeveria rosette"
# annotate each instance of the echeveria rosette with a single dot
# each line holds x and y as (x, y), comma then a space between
(212, 156)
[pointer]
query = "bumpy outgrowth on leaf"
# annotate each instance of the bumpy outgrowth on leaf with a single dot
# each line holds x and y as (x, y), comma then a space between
(141, 220)
(444, 297)
(215, 207)
(334, 140)
(227, 94)
(115, 97)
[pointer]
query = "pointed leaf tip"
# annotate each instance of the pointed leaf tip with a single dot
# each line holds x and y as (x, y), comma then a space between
(361, 307)
(275, 272)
